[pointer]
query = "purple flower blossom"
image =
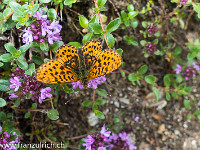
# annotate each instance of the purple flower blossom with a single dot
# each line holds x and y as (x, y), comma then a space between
(42, 30)
(105, 140)
(178, 69)
(183, 2)
(136, 119)
(29, 87)
(77, 84)
(189, 72)
(39, 16)
(94, 82)
(104, 131)
(8, 140)
(195, 66)
(45, 93)
(151, 48)
(89, 140)
(0, 128)
(15, 83)
(101, 148)
(123, 136)
(152, 29)
(27, 36)
(12, 95)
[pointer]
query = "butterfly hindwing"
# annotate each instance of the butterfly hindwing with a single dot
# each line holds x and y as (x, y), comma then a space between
(54, 72)
(107, 61)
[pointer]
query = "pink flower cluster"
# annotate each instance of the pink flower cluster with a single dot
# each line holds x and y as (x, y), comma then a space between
(151, 48)
(25, 85)
(106, 140)
(42, 30)
(184, 2)
(189, 72)
(8, 140)
(152, 29)
(92, 82)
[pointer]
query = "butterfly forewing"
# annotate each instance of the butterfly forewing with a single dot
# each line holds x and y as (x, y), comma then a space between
(90, 52)
(68, 56)
(107, 61)
(54, 72)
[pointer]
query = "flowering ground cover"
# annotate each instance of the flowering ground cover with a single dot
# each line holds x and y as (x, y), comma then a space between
(99, 75)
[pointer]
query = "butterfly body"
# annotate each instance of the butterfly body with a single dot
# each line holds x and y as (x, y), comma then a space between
(72, 64)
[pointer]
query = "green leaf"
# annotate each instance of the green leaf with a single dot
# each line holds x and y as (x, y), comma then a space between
(56, 45)
(52, 13)
(4, 88)
(142, 70)
(69, 2)
(132, 77)
(144, 24)
(2, 102)
(34, 106)
(6, 12)
(17, 8)
(75, 44)
(2, 116)
(5, 82)
(10, 48)
(30, 70)
(197, 9)
(95, 19)
(34, 9)
(94, 106)
(83, 21)
(1, 64)
(174, 95)
(131, 15)
(44, 47)
(168, 96)
(187, 104)
(101, 3)
(9, 115)
(86, 38)
(96, 27)
(120, 51)
(17, 102)
(53, 114)
(110, 39)
(130, 7)
(24, 48)
(21, 62)
(45, 1)
(168, 79)
(99, 114)
(156, 93)
(143, 42)
(38, 60)
(189, 116)
(134, 43)
(87, 103)
(177, 51)
(113, 25)
(150, 79)
(124, 16)
(155, 41)
(101, 92)
(6, 57)
(134, 23)
(100, 101)
(27, 115)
